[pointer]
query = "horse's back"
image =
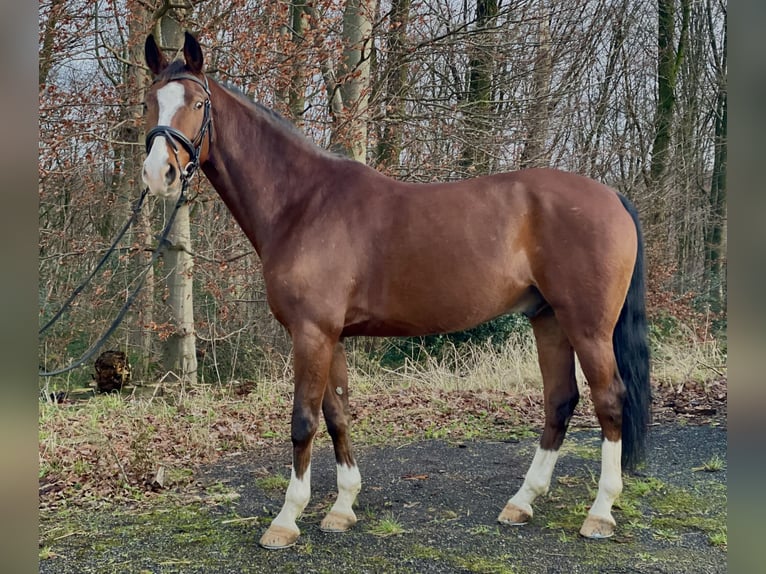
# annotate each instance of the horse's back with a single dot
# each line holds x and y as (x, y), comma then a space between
(443, 257)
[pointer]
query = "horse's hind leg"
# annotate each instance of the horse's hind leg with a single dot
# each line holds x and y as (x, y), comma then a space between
(336, 413)
(607, 390)
(556, 360)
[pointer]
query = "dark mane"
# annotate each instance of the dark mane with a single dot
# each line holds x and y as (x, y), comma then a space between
(178, 67)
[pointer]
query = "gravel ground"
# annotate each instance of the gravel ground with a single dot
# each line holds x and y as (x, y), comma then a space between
(443, 496)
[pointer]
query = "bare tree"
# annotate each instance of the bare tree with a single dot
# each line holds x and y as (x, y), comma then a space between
(535, 152)
(715, 235)
(129, 155)
(293, 92)
(353, 81)
(478, 97)
(179, 353)
(396, 81)
(670, 56)
(51, 14)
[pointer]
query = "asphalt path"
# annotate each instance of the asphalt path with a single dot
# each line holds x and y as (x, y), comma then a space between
(429, 507)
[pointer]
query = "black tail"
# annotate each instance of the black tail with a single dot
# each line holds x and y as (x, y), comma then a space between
(631, 349)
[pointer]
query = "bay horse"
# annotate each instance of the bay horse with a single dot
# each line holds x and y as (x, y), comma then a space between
(349, 251)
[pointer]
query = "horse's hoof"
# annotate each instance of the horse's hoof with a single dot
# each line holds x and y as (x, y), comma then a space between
(598, 527)
(337, 522)
(514, 515)
(278, 537)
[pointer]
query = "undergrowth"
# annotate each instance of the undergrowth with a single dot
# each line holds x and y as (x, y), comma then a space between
(115, 445)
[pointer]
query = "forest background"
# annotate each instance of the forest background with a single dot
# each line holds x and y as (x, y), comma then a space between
(631, 93)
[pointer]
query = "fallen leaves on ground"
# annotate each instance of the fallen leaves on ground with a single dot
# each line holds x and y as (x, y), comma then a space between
(90, 452)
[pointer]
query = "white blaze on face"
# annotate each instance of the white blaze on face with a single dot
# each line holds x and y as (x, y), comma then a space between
(170, 98)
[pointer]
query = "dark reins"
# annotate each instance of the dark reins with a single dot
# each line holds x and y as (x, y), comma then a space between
(135, 211)
(193, 148)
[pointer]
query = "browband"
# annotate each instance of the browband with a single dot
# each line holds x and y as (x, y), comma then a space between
(185, 77)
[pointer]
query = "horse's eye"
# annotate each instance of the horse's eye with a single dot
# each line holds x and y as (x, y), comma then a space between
(198, 105)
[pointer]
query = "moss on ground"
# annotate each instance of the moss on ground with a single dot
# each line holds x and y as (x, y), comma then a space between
(662, 525)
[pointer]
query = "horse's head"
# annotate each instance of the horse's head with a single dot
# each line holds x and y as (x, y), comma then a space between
(177, 118)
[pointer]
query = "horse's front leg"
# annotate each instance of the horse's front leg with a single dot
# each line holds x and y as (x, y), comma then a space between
(336, 413)
(312, 356)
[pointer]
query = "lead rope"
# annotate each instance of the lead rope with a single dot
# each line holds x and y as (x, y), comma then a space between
(129, 301)
(171, 135)
(81, 286)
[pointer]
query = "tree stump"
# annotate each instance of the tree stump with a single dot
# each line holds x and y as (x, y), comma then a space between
(112, 371)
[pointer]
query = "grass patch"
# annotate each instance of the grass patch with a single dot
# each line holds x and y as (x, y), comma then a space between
(512, 368)
(386, 527)
(565, 515)
(113, 445)
(484, 530)
(719, 538)
(485, 564)
(191, 533)
(683, 357)
(714, 464)
(427, 553)
(276, 482)
(639, 487)
(670, 511)
(220, 493)
(646, 503)
(588, 450)
(470, 562)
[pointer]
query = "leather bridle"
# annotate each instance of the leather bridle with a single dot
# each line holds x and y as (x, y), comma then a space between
(174, 136)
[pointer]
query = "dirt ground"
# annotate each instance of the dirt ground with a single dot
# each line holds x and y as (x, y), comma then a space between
(425, 507)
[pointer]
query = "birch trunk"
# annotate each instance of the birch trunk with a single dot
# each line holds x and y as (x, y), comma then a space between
(350, 130)
(179, 352)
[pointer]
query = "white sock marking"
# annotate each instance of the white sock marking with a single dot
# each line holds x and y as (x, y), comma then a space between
(349, 485)
(537, 480)
(296, 499)
(610, 483)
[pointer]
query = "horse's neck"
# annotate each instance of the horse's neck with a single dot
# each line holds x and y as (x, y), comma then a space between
(259, 169)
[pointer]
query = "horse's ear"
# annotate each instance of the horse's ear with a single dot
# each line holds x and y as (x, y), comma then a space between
(192, 54)
(154, 57)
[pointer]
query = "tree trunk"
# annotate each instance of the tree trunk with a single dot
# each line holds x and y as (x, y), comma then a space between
(592, 155)
(478, 100)
(132, 158)
(45, 60)
(179, 352)
(535, 153)
(350, 130)
(293, 94)
(397, 69)
(668, 62)
(715, 235)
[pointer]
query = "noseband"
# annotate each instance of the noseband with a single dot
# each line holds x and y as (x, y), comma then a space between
(174, 136)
